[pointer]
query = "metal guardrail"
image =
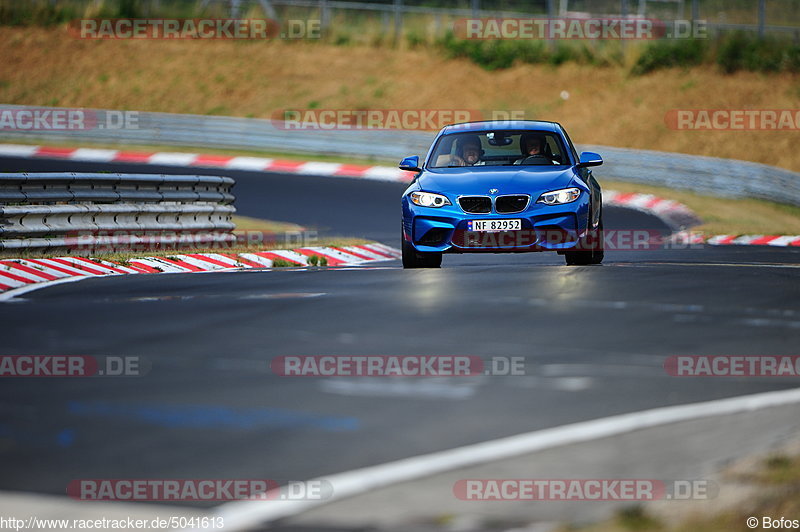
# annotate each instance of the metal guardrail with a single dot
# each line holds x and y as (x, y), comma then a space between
(87, 212)
(705, 175)
(711, 176)
(393, 12)
(551, 8)
(229, 132)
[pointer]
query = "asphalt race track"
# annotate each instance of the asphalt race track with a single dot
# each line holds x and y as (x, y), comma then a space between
(594, 341)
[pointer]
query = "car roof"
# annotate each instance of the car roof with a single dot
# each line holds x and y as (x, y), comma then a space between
(488, 125)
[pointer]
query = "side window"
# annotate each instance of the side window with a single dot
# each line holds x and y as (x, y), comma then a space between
(572, 148)
(555, 148)
(444, 151)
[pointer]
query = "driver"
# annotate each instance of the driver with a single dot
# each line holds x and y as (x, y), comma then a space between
(533, 145)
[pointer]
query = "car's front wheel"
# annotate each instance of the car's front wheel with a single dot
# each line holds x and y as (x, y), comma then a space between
(414, 259)
(592, 249)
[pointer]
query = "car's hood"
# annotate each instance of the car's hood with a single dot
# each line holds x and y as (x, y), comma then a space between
(507, 180)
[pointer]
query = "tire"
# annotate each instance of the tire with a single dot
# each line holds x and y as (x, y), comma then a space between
(593, 255)
(414, 259)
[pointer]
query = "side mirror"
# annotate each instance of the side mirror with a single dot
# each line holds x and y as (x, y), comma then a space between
(589, 158)
(410, 164)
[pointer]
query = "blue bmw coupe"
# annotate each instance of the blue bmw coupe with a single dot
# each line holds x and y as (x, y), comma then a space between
(501, 187)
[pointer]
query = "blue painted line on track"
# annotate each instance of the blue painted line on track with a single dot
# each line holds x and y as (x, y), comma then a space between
(214, 417)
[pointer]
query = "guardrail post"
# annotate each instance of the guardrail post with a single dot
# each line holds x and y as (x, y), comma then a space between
(266, 6)
(324, 14)
(398, 21)
(385, 22)
(623, 10)
(762, 15)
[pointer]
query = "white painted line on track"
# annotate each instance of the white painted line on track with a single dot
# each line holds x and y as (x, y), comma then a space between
(9, 295)
(241, 515)
(727, 265)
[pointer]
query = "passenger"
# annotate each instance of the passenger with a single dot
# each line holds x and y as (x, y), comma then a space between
(468, 152)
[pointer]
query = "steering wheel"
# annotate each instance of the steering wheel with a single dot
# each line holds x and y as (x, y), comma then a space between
(536, 159)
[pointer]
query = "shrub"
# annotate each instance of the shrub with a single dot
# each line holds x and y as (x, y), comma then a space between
(563, 53)
(415, 40)
(281, 263)
(791, 60)
(742, 51)
(670, 53)
(317, 260)
(35, 13)
(494, 54)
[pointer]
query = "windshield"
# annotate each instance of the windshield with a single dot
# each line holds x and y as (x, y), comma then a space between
(499, 148)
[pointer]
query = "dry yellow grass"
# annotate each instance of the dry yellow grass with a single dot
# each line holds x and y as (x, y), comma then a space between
(725, 216)
(754, 486)
(606, 105)
(246, 223)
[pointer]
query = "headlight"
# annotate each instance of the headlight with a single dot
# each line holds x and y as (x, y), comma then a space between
(429, 199)
(558, 197)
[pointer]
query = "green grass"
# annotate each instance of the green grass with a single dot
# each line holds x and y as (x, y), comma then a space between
(775, 479)
(780, 469)
(636, 518)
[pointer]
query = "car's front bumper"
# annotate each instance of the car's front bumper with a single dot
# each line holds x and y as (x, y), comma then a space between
(544, 228)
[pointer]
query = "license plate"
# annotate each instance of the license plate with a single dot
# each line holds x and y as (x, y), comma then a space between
(514, 224)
